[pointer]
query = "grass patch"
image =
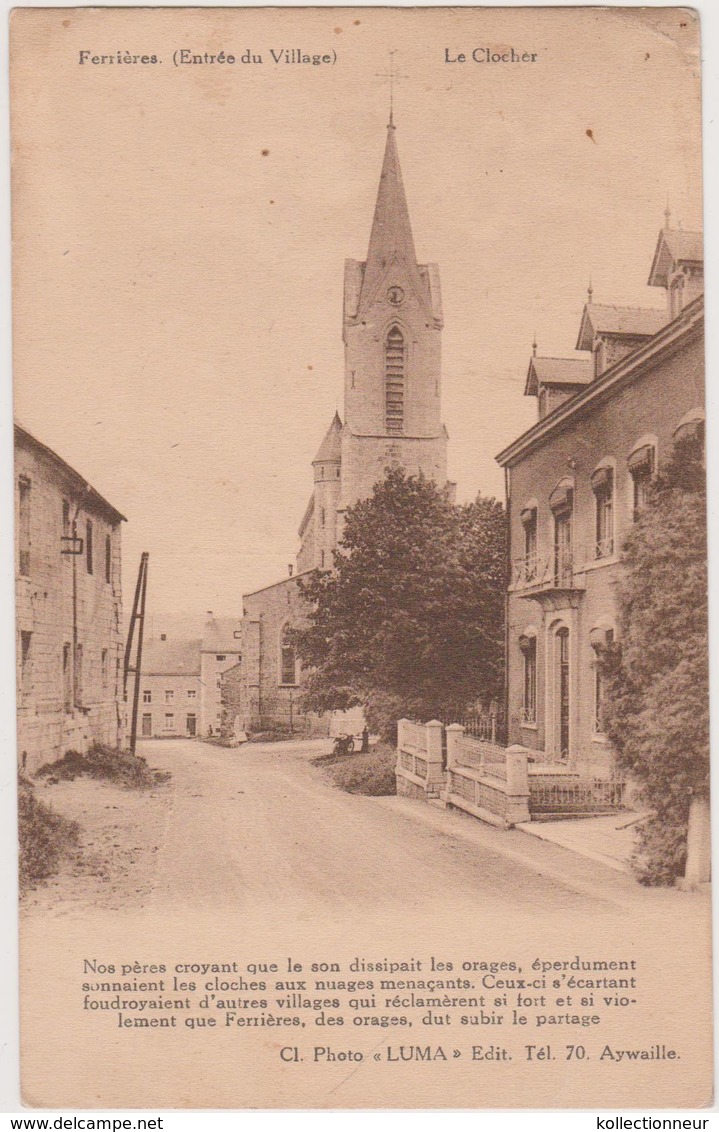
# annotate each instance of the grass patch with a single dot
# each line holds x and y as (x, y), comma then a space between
(107, 763)
(371, 774)
(45, 837)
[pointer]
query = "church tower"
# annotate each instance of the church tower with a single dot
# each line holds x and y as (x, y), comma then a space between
(392, 329)
(392, 333)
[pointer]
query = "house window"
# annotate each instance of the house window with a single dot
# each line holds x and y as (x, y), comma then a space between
(66, 678)
(394, 380)
(191, 694)
(288, 660)
(78, 674)
(562, 502)
(528, 645)
(641, 469)
(108, 559)
(88, 547)
(23, 530)
(169, 721)
(603, 488)
(25, 643)
(104, 670)
(65, 518)
(322, 516)
(529, 523)
(322, 558)
(147, 696)
(221, 657)
(169, 695)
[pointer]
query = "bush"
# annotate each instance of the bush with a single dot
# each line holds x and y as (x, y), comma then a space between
(657, 704)
(371, 774)
(44, 837)
(107, 763)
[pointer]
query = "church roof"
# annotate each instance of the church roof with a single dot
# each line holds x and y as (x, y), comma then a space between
(600, 318)
(171, 658)
(673, 247)
(391, 234)
(557, 371)
(330, 449)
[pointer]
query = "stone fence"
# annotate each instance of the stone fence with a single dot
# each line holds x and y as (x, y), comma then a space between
(420, 759)
(488, 781)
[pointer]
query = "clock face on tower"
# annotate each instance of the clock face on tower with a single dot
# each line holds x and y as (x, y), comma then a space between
(395, 296)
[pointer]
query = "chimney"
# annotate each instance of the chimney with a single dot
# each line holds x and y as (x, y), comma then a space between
(290, 569)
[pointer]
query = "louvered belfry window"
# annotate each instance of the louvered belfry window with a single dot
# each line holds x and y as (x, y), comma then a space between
(394, 380)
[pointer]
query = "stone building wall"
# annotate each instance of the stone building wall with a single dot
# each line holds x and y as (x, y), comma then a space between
(66, 697)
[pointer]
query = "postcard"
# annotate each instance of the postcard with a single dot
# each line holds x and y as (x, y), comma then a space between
(360, 523)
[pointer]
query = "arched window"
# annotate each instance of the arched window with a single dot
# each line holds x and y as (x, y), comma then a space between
(394, 380)
(288, 659)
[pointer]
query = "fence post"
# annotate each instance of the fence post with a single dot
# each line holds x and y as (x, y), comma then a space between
(455, 731)
(400, 733)
(517, 784)
(698, 866)
(435, 772)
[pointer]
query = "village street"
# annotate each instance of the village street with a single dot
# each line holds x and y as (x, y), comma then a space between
(261, 823)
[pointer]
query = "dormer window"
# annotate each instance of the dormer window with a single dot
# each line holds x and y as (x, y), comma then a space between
(598, 357)
(394, 381)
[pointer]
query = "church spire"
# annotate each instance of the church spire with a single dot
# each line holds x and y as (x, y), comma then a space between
(391, 230)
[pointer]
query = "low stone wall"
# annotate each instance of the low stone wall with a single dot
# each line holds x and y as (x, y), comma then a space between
(420, 761)
(489, 782)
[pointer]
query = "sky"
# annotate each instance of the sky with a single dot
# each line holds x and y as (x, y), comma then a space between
(180, 235)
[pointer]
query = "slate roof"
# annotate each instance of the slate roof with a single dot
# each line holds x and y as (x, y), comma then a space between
(557, 371)
(330, 448)
(78, 483)
(674, 246)
(601, 318)
(171, 658)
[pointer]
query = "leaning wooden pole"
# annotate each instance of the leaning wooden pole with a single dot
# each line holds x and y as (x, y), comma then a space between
(138, 615)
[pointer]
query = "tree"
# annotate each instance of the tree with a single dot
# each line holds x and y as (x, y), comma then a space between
(410, 620)
(657, 707)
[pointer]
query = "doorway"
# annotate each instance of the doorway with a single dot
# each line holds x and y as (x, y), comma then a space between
(192, 725)
(146, 726)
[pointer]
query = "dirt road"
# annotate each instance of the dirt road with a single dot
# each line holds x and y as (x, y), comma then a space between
(261, 824)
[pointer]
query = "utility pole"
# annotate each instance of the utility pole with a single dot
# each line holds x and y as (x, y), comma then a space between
(138, 615)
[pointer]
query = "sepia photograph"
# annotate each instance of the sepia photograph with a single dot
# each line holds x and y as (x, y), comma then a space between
(361, 558)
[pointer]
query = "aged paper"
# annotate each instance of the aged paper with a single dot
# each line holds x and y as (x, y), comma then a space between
(230, 227)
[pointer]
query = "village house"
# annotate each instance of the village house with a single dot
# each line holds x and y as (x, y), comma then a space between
(170, 688)
(220, 649)
(181, 685)
(392, 325)
(607, 417)
(69, 609)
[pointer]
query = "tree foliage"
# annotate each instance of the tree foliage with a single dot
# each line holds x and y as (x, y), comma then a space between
(657, 707)
(410, 620)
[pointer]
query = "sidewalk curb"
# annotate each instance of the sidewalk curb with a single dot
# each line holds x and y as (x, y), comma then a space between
(534, 829)
(473, 832)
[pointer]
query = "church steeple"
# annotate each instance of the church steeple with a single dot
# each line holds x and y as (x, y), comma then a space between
(392, 330)
(391, 235)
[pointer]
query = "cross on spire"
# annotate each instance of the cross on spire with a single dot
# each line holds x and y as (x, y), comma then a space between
(393, 78)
